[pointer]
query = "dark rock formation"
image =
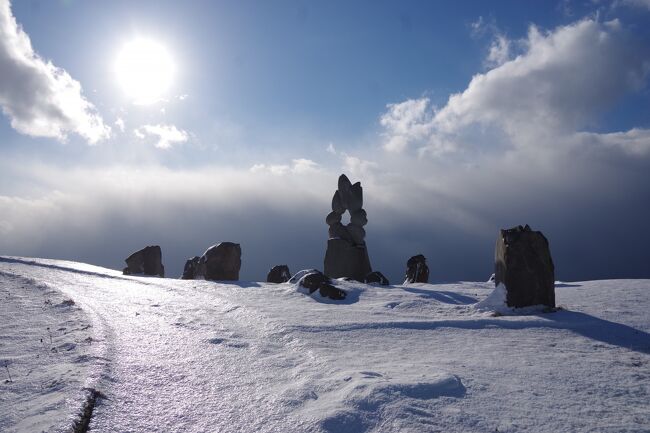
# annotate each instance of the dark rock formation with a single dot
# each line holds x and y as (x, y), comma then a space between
(523, 263)
(347, 255)
(313, 280)
(222, 262)
(278, 274)
(345, 259)
(376, 277)
(147, 261)
(417, 270)
(329, 291)
(192, 269)
(295, 279)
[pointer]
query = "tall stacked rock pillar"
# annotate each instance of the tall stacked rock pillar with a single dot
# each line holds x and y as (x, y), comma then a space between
(523, 263)
(347, 255)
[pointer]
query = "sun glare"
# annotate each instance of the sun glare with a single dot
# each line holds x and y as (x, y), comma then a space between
(145, 70)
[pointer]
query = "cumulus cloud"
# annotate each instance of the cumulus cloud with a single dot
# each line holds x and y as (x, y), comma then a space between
(563, 79)
(167, 135)
(39, 98)
(406, 122)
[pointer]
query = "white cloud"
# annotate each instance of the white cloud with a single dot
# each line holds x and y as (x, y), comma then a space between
(499, 51)
(560, 83)
(298, 166)
(302, 165)
(120, 124)
(168, 135)
(39, 98)
(331, 149)
(359, 168)
(406, 122)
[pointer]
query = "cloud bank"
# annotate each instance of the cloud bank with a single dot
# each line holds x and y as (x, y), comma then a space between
(40, 99)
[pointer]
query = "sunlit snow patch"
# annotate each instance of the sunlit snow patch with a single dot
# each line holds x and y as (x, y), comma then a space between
(362, 400)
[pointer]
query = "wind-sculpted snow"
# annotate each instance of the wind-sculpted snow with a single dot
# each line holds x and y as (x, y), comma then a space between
(194, 356)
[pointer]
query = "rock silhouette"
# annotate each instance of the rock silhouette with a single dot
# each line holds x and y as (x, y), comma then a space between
(417, 270)
(222, 262)
(278, 274)
(523, 263)
(347, 254)
(192, 269)
(147, 261)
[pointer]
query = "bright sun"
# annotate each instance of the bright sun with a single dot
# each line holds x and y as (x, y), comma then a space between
(145, 70)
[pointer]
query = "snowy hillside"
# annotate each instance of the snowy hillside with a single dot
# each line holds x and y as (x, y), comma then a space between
(197, 356)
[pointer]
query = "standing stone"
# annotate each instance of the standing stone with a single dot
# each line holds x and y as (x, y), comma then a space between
(192, 268)
(147, 261)
(222, 262)
(417, 270)
(278, 274)
(523, 263)
(347, 254)
(345, 259)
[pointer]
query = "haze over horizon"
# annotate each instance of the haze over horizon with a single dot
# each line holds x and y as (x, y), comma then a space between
(185, 124)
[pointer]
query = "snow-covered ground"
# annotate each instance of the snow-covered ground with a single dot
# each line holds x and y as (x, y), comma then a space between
(196, 356)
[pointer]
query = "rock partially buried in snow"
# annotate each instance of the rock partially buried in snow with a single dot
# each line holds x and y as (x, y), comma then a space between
(523, 263)
(278, 274)
(222, 262)
(417, 270)
(329, 291)
(376, 277)
(147, 261)
(313, 280)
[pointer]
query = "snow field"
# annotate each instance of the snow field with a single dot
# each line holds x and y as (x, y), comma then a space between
(208, 356)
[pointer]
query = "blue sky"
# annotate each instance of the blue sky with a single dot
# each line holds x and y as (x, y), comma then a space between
(458, 118)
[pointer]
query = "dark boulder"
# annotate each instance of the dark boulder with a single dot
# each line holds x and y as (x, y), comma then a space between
(523, 263)
(222, 262)
(376, 277)
(295, 278)
(147, 261)
(313, 280)
(192, 269)
(278, 274)
(417, 270)
(329, 291)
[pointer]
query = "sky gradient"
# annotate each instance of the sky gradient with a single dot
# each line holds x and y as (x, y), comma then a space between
(458, 119)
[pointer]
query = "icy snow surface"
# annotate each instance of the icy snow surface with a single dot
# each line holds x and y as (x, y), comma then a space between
(197, 356)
